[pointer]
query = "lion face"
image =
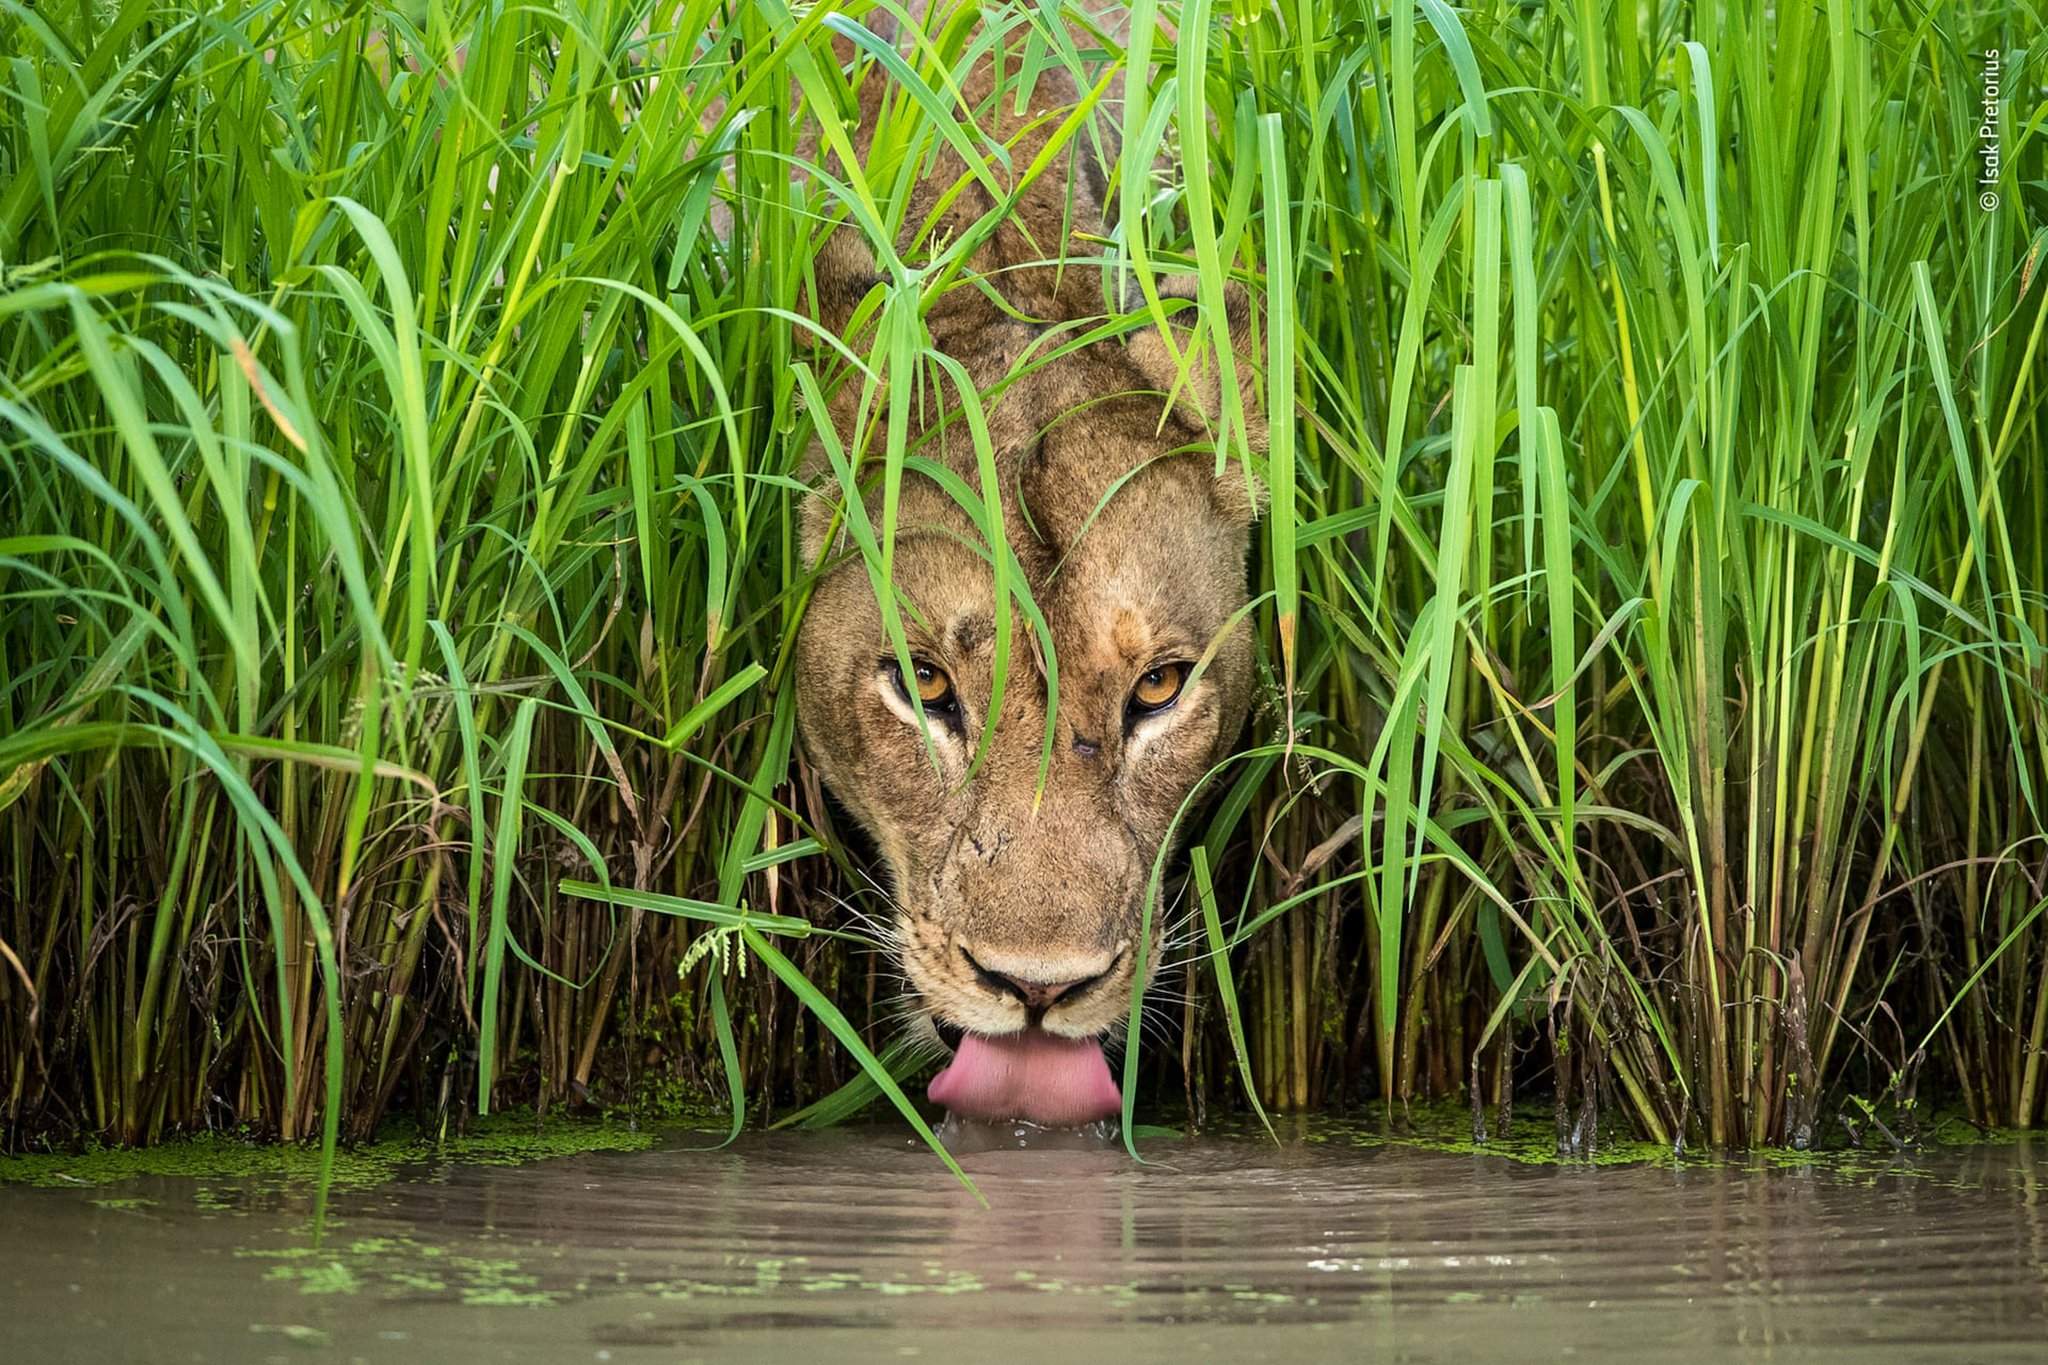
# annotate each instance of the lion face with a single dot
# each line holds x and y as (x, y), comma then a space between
(1021, 908)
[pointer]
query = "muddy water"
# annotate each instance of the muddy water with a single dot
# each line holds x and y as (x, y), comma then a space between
(852, 1246)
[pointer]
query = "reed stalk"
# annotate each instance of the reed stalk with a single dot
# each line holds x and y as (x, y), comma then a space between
(400, 412)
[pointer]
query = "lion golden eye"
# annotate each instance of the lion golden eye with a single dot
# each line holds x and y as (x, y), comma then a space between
(934, 686)
(1158, 688)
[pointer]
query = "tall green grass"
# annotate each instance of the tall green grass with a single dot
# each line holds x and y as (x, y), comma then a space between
(399, 412)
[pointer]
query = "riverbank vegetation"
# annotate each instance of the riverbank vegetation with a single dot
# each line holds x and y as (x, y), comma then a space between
(399, 414)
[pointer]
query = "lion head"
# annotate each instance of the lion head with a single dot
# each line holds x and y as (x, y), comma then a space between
(1019, 876)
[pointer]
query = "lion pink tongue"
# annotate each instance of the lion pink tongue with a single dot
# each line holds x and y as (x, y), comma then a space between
(1034, 1075)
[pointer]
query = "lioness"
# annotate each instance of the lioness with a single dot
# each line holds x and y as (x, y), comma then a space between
(1017, 916)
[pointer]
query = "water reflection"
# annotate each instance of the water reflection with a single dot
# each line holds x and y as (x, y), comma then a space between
(856, 1246)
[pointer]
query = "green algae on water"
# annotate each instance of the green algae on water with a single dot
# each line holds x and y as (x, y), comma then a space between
(504, 1139)
(403, 1267)
(327, 1277)
(1531, 1140)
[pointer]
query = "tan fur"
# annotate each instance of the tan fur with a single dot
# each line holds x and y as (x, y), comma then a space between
(1039, 890)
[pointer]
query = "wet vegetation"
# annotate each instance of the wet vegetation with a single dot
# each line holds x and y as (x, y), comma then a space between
(243, 1162)
(399, 414)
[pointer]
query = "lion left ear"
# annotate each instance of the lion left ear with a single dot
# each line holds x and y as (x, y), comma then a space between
(1198, 399)
(842, 271)
(841, 264)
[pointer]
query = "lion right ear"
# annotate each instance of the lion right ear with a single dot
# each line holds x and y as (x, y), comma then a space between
(1198, 394)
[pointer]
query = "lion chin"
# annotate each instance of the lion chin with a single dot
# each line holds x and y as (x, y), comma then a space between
(1021, 773)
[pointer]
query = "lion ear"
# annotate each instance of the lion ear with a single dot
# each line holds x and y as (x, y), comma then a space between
(841, 265)
(842, 272)
(818, 517)
(1198, 395)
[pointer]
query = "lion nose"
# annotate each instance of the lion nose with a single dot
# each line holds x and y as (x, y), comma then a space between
(1037, 996)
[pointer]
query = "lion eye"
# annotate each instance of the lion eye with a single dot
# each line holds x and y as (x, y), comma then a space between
(934, 685)
(1158, 688)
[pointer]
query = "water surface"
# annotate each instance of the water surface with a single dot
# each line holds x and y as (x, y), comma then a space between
(854, 1246)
